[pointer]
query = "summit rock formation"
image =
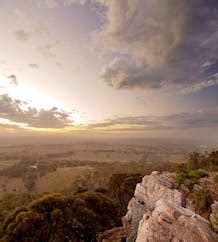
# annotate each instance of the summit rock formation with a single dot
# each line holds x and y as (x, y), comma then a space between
(159, 212)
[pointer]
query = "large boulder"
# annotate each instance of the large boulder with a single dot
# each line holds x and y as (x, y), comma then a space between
(153, 188)
(169, 222)
(159, 212)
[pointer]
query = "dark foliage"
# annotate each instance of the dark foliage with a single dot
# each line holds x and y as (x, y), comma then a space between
(122, 187)
(61, 218)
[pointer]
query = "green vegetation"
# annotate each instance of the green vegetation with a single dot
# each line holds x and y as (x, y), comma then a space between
(203, 201)
(100, 175)
(190, 177)
(101, 192)
(198, 166)
(30, 179)
(57, 218)
(10, 201)
(215, 179)
(208, 161)
(20, 168)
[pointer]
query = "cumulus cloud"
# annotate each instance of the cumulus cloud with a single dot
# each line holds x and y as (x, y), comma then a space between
(13, 111)
(122, 74)
(198, 119)
(196, 87)
(172, 39)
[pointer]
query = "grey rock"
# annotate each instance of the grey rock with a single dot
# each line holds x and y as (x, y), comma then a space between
(214, 216)
(171, 223)
(160, 213)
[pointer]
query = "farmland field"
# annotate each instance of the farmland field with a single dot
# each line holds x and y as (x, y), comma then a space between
(73, 162)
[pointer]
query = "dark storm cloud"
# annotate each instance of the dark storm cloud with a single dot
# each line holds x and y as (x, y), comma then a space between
(13, 110)
(168, 41)
(199, 119)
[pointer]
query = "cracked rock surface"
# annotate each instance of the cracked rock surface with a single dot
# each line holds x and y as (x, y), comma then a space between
(160, 213)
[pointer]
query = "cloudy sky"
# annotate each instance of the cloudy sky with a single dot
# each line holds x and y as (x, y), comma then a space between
(139, 67)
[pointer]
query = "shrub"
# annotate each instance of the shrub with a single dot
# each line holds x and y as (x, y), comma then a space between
(198, 173)
(189, 178)
(208, 161)
(182, 176)
(215, 179)
(203, 201)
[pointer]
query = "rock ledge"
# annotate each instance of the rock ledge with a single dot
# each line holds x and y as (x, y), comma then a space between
(158, 213)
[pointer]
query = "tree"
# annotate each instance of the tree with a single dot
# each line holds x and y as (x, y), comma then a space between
(61, 218)
(122, 187)
(30, 179)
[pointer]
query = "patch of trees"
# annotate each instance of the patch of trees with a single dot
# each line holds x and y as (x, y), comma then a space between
(207, 161)
(28, 169)
(61, 218)
(100, 175)
(122, 188)
(10, 201)
(45, 167)
(76, 163)
(19, 169)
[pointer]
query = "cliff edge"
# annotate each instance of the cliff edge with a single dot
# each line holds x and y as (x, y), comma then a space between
(159, 212)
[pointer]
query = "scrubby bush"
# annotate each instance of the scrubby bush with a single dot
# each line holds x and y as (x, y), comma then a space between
(196, 174)
(203, 201)
(208, 161)
(215, 179)
(190, 177)
(182, 176)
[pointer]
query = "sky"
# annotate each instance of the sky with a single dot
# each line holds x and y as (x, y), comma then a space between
(124, 67)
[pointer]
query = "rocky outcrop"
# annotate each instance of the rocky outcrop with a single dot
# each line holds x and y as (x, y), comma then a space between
(214, 216)
(153, 188)
(159, 212)
(173, 223)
